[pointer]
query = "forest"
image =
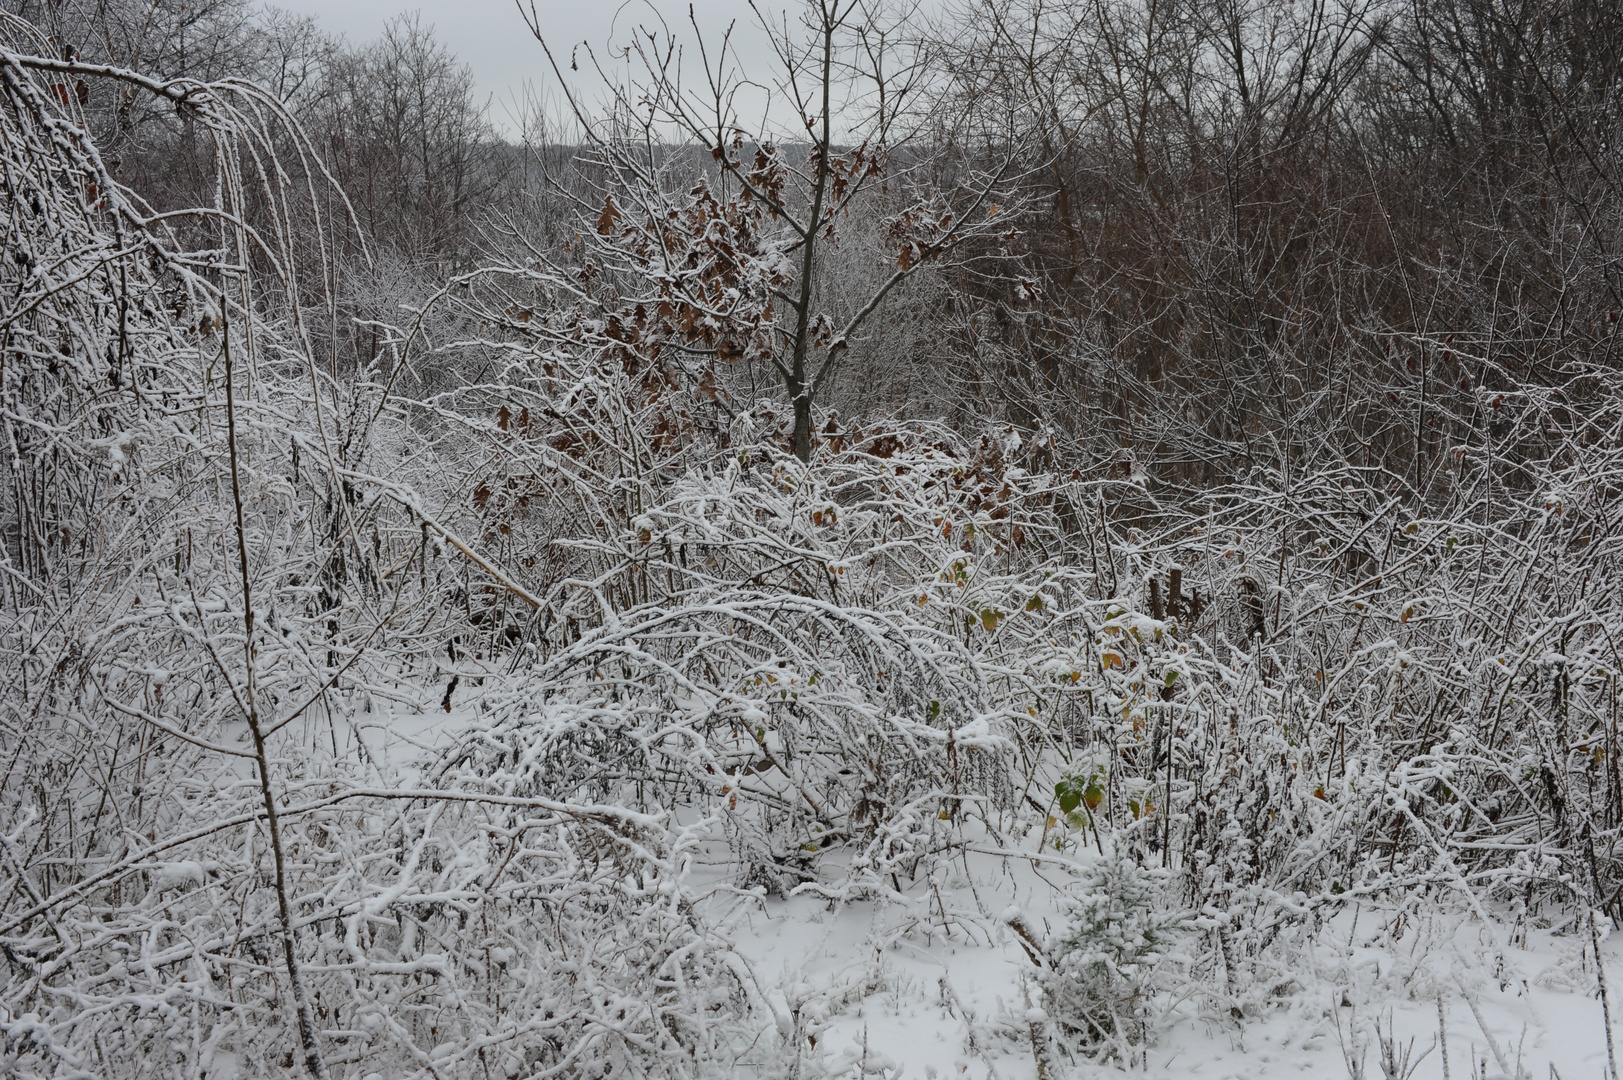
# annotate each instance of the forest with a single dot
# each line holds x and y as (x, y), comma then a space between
(995, 539)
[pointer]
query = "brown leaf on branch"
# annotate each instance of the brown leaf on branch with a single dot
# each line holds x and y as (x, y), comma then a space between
(610, 217)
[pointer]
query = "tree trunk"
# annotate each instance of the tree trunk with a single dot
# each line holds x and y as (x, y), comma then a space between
(802, 438)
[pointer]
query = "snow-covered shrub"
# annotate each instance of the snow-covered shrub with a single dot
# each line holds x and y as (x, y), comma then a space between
(836, 659)
(659, 640)
(197, 535)
(527, 936)
(820, 660)
(1102, 965)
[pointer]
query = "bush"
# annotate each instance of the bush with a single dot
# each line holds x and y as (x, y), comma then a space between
(1102, 965)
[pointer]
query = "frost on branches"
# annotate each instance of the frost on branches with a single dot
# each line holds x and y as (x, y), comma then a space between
(449, 716)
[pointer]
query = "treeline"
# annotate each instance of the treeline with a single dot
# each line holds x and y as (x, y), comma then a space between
(1308, 231)
(1246, 233)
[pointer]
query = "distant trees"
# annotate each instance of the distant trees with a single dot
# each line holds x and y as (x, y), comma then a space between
(1344, 221)
(1270, 231)
(400, 124)
(409, 140)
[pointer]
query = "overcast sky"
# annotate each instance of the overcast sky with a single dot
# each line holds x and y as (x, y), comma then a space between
(491, 37)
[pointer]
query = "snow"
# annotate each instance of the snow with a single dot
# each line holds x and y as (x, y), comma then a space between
(583, 739)
(884, 983)
(937, 984)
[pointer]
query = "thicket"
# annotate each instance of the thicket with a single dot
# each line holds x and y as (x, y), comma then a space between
(1223, 483)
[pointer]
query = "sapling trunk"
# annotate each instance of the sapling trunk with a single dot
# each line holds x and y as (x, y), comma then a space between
(313, 1063)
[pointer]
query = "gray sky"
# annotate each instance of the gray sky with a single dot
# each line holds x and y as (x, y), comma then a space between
(491, 37)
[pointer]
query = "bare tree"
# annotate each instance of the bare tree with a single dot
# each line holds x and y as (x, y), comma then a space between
(855, 85)
(408, 138)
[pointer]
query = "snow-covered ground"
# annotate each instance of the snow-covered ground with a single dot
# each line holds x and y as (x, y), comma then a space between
(882, 992)
(940, 986)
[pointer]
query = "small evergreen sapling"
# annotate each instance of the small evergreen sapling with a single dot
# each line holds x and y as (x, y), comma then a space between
(1101, 965)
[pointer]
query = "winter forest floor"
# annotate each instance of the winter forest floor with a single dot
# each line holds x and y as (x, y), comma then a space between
(916, 1004)
(880, 990)
(912, 1004)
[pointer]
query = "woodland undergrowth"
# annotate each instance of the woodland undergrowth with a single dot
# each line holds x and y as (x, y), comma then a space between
(661, 641)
